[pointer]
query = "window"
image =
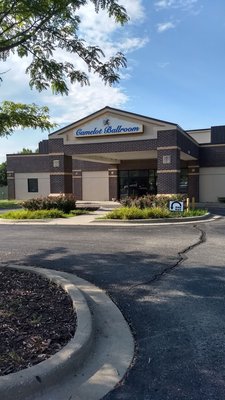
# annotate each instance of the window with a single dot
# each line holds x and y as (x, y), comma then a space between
(32, 185)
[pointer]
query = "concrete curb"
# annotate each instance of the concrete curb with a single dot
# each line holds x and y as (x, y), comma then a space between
(27, 382)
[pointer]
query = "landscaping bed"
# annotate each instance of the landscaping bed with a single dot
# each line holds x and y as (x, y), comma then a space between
(153, 207)
(41, 214)
(36, 317)
(45, 208)
(129, 213)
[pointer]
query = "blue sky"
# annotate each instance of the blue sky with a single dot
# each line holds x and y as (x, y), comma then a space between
(176, 68)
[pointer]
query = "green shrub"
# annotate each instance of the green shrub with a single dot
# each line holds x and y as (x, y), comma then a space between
(151, 212)
(137, 213)
(149, 201)
(37, 214)
(64, 203)
(193, 213)
(33, 204)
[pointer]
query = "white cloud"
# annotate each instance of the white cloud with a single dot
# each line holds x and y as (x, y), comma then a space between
(165, 26)
(83, 101)
(132, 44)
(183, 4)
(96, 29)
(99, 25)
(134, 9)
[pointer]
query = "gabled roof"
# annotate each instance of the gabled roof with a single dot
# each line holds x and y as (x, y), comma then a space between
(108, 109)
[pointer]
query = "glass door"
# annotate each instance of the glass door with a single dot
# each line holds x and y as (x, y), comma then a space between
(137, 183)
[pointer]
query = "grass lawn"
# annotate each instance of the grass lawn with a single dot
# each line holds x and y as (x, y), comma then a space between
(7, 204)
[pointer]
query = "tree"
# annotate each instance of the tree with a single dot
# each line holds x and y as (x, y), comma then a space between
(17, 115)
(27, 151)
(38, 28)
(3, 174)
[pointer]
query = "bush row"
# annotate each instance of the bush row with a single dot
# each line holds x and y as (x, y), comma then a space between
(37, 214)
(64, 203)
(153, 212)
(149, 201)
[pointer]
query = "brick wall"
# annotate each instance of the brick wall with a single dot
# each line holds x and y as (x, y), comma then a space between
(213, 156)
(61, 183)
(137, 164)
(218, 134)
(11, 188)
(113, 183)
(23, 163)
(193, 181)
(56, 145)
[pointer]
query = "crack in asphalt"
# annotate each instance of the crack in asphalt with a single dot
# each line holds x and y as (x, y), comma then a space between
(181, 257)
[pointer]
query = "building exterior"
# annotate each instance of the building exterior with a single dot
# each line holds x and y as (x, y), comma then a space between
(112, 154)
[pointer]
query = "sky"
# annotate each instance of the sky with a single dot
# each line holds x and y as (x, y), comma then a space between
(175, 52)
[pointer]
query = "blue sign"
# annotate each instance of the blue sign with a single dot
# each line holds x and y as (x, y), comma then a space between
(108, 130)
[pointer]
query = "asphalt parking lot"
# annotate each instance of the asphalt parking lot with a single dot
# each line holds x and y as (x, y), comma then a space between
(168, 282)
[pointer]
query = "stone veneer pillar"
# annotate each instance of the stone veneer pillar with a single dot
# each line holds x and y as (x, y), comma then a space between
(113, 183)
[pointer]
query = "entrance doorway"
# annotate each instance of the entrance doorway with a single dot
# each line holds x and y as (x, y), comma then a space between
(136, 183)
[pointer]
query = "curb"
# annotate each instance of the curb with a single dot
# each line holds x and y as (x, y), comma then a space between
(29, 381)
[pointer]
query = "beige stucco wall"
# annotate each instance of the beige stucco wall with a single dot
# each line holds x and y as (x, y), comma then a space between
(201, 136)
(21, 185)
(95, 185)
(150, 128)
(211, 184)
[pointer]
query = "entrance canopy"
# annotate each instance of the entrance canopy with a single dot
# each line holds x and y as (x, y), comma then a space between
(117, 157)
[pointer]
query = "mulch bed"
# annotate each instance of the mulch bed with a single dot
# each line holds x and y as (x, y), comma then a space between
(36, 319)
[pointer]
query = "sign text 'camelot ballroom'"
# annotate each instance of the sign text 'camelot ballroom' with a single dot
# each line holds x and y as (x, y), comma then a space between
(109, 130)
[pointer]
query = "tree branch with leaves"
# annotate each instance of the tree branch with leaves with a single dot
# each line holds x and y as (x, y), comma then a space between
(39, 28)
(17, 115)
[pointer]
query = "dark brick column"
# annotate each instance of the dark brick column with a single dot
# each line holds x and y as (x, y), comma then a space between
(55, 146)
(60, 167)
(193, 181)
(11, 185)
(113, 183)
(168, 162)
(77, 184)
